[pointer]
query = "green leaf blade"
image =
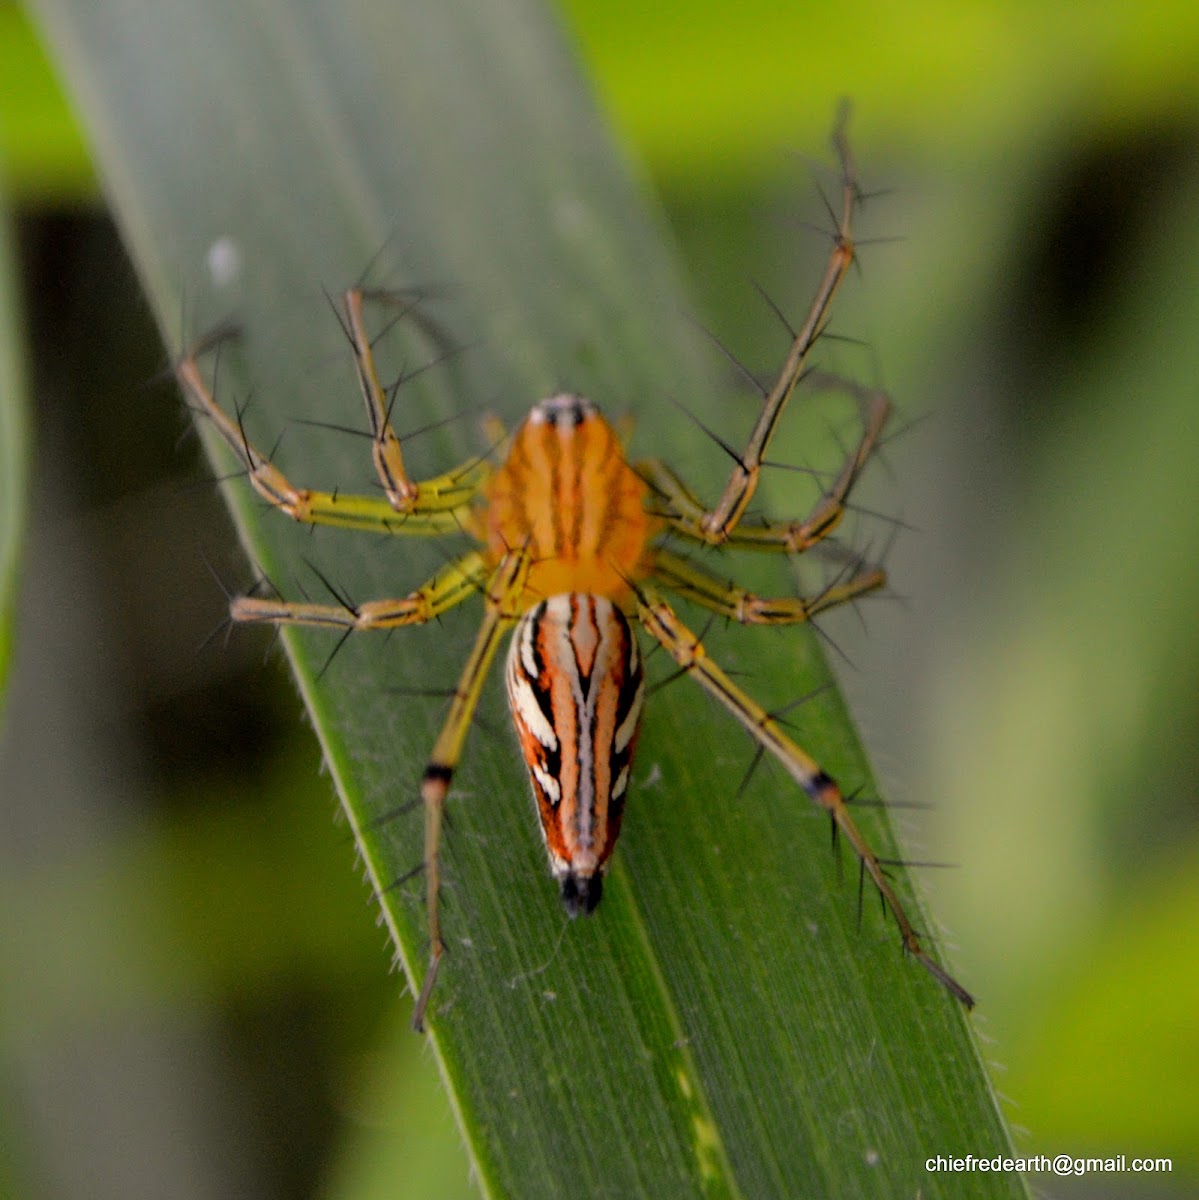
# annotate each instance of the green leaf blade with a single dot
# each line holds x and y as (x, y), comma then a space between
(720, 1027)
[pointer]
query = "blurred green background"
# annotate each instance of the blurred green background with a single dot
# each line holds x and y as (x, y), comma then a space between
(1038, 315)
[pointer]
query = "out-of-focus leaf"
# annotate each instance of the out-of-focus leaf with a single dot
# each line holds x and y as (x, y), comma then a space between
(14, 447)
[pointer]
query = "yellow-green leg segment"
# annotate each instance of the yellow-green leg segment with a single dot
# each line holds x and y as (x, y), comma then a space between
(688, 651)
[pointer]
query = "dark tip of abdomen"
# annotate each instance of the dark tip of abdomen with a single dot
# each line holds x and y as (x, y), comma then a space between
(581, 894)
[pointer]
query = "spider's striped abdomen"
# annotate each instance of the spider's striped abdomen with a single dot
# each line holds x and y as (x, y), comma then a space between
(575, 685)
(567, 492)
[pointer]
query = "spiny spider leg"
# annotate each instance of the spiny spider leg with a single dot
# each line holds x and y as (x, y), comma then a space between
(686, 514)
(500, 613)
(371, 513)
(452, 584)
(716, 525)
(457, 580)
(449, 491)
(687, 650)
(688, 579)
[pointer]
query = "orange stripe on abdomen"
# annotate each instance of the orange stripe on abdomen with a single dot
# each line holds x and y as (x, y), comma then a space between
(575, 686)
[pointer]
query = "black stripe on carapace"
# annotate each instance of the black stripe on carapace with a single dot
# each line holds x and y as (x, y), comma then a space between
(613, 467)
(439, 773)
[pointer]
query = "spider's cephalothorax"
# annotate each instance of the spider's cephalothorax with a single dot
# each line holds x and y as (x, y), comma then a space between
(567, 496)
(569, 552)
